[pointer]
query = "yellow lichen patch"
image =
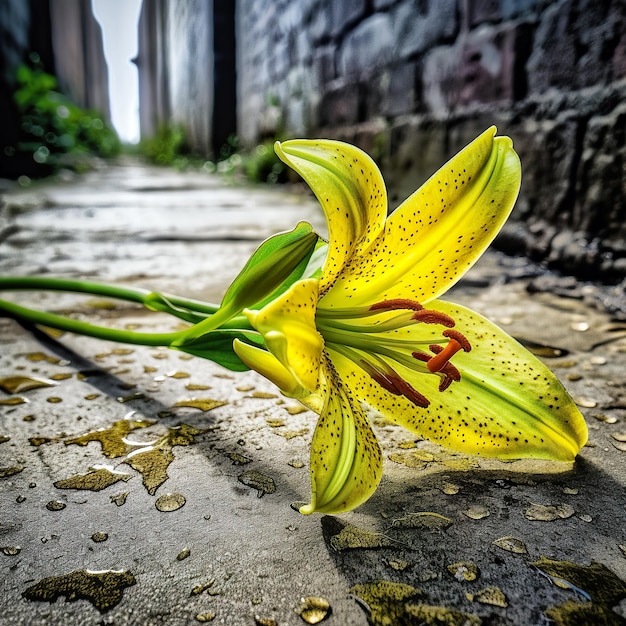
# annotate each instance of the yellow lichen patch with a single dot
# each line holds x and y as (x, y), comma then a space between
(466, 571)
(489, 595)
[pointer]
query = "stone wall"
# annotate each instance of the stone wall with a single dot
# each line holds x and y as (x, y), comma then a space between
(68, 40)
(412, 81)
(187, 56)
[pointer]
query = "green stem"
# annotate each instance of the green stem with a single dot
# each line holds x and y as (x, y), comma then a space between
(101, 332)
(100, 289)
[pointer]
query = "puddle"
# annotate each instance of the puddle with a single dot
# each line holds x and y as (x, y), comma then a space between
(313, 609)
(548, 513)
(112, 439)
(37, 357)
(18, 384)
(119, 498)
(152, 463)
(97, 478)
(169, 502)
(477, 512)
(5, 472)
(55, 505)
(388, 603)
(596, 584)
(13, 401)
(261, 482)
(511, 544)
(203, 404)
(423, 521)
(103, 589)
(151, 459)
(342, 536)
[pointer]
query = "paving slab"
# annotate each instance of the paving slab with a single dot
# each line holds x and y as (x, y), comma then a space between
(159, 487)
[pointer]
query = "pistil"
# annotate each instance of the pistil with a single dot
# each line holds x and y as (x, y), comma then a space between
(372, 346)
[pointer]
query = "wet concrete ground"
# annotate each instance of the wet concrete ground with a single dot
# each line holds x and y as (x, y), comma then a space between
(235, 453)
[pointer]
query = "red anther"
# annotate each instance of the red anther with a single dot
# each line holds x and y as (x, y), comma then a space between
(393, 383)
(428, 316)
(451, 374)
(422, 356)
(438, 362)
(398, 303)
(457, 336)
(384, 382)
(409, 392)
(435, 348)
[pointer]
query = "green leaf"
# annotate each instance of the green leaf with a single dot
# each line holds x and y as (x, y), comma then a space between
(217, 346)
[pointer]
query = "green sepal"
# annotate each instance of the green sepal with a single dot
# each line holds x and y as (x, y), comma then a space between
(217, 346)
(156, 301)
(275, 265)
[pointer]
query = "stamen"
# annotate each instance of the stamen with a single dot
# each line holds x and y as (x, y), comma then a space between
(395, 384)
(438, 362)
(422, 356)
(410, 393)
(456, 341)
(428, 316)
(462, 339)
(398, 303)
(450, 375)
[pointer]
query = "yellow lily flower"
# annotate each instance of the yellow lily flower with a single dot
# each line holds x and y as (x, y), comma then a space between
(369, 328)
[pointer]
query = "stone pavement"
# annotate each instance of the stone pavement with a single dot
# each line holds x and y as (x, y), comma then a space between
(186, 512)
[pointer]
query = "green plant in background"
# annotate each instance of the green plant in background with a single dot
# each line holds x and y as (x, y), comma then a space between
(168, 146)
(55, 131)
(263, 166)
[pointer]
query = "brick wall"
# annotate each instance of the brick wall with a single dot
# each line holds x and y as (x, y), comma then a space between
(412, 81)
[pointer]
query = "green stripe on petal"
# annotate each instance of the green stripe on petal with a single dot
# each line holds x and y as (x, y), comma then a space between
(441, 230)
(346, 461)
(351, 190)
(508, 404)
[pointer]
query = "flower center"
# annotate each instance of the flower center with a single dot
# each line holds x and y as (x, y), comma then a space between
(373, 340)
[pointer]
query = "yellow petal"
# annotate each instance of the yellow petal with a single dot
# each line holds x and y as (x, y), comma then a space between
(288, 328)
(507, 405)
(440, 231)
(346, 461)
(269, 366)
(351, 190)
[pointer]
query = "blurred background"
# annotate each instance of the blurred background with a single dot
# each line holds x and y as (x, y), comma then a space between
(212, 83)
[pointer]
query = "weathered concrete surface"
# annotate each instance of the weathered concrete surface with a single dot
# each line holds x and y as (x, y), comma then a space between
(189, 234)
